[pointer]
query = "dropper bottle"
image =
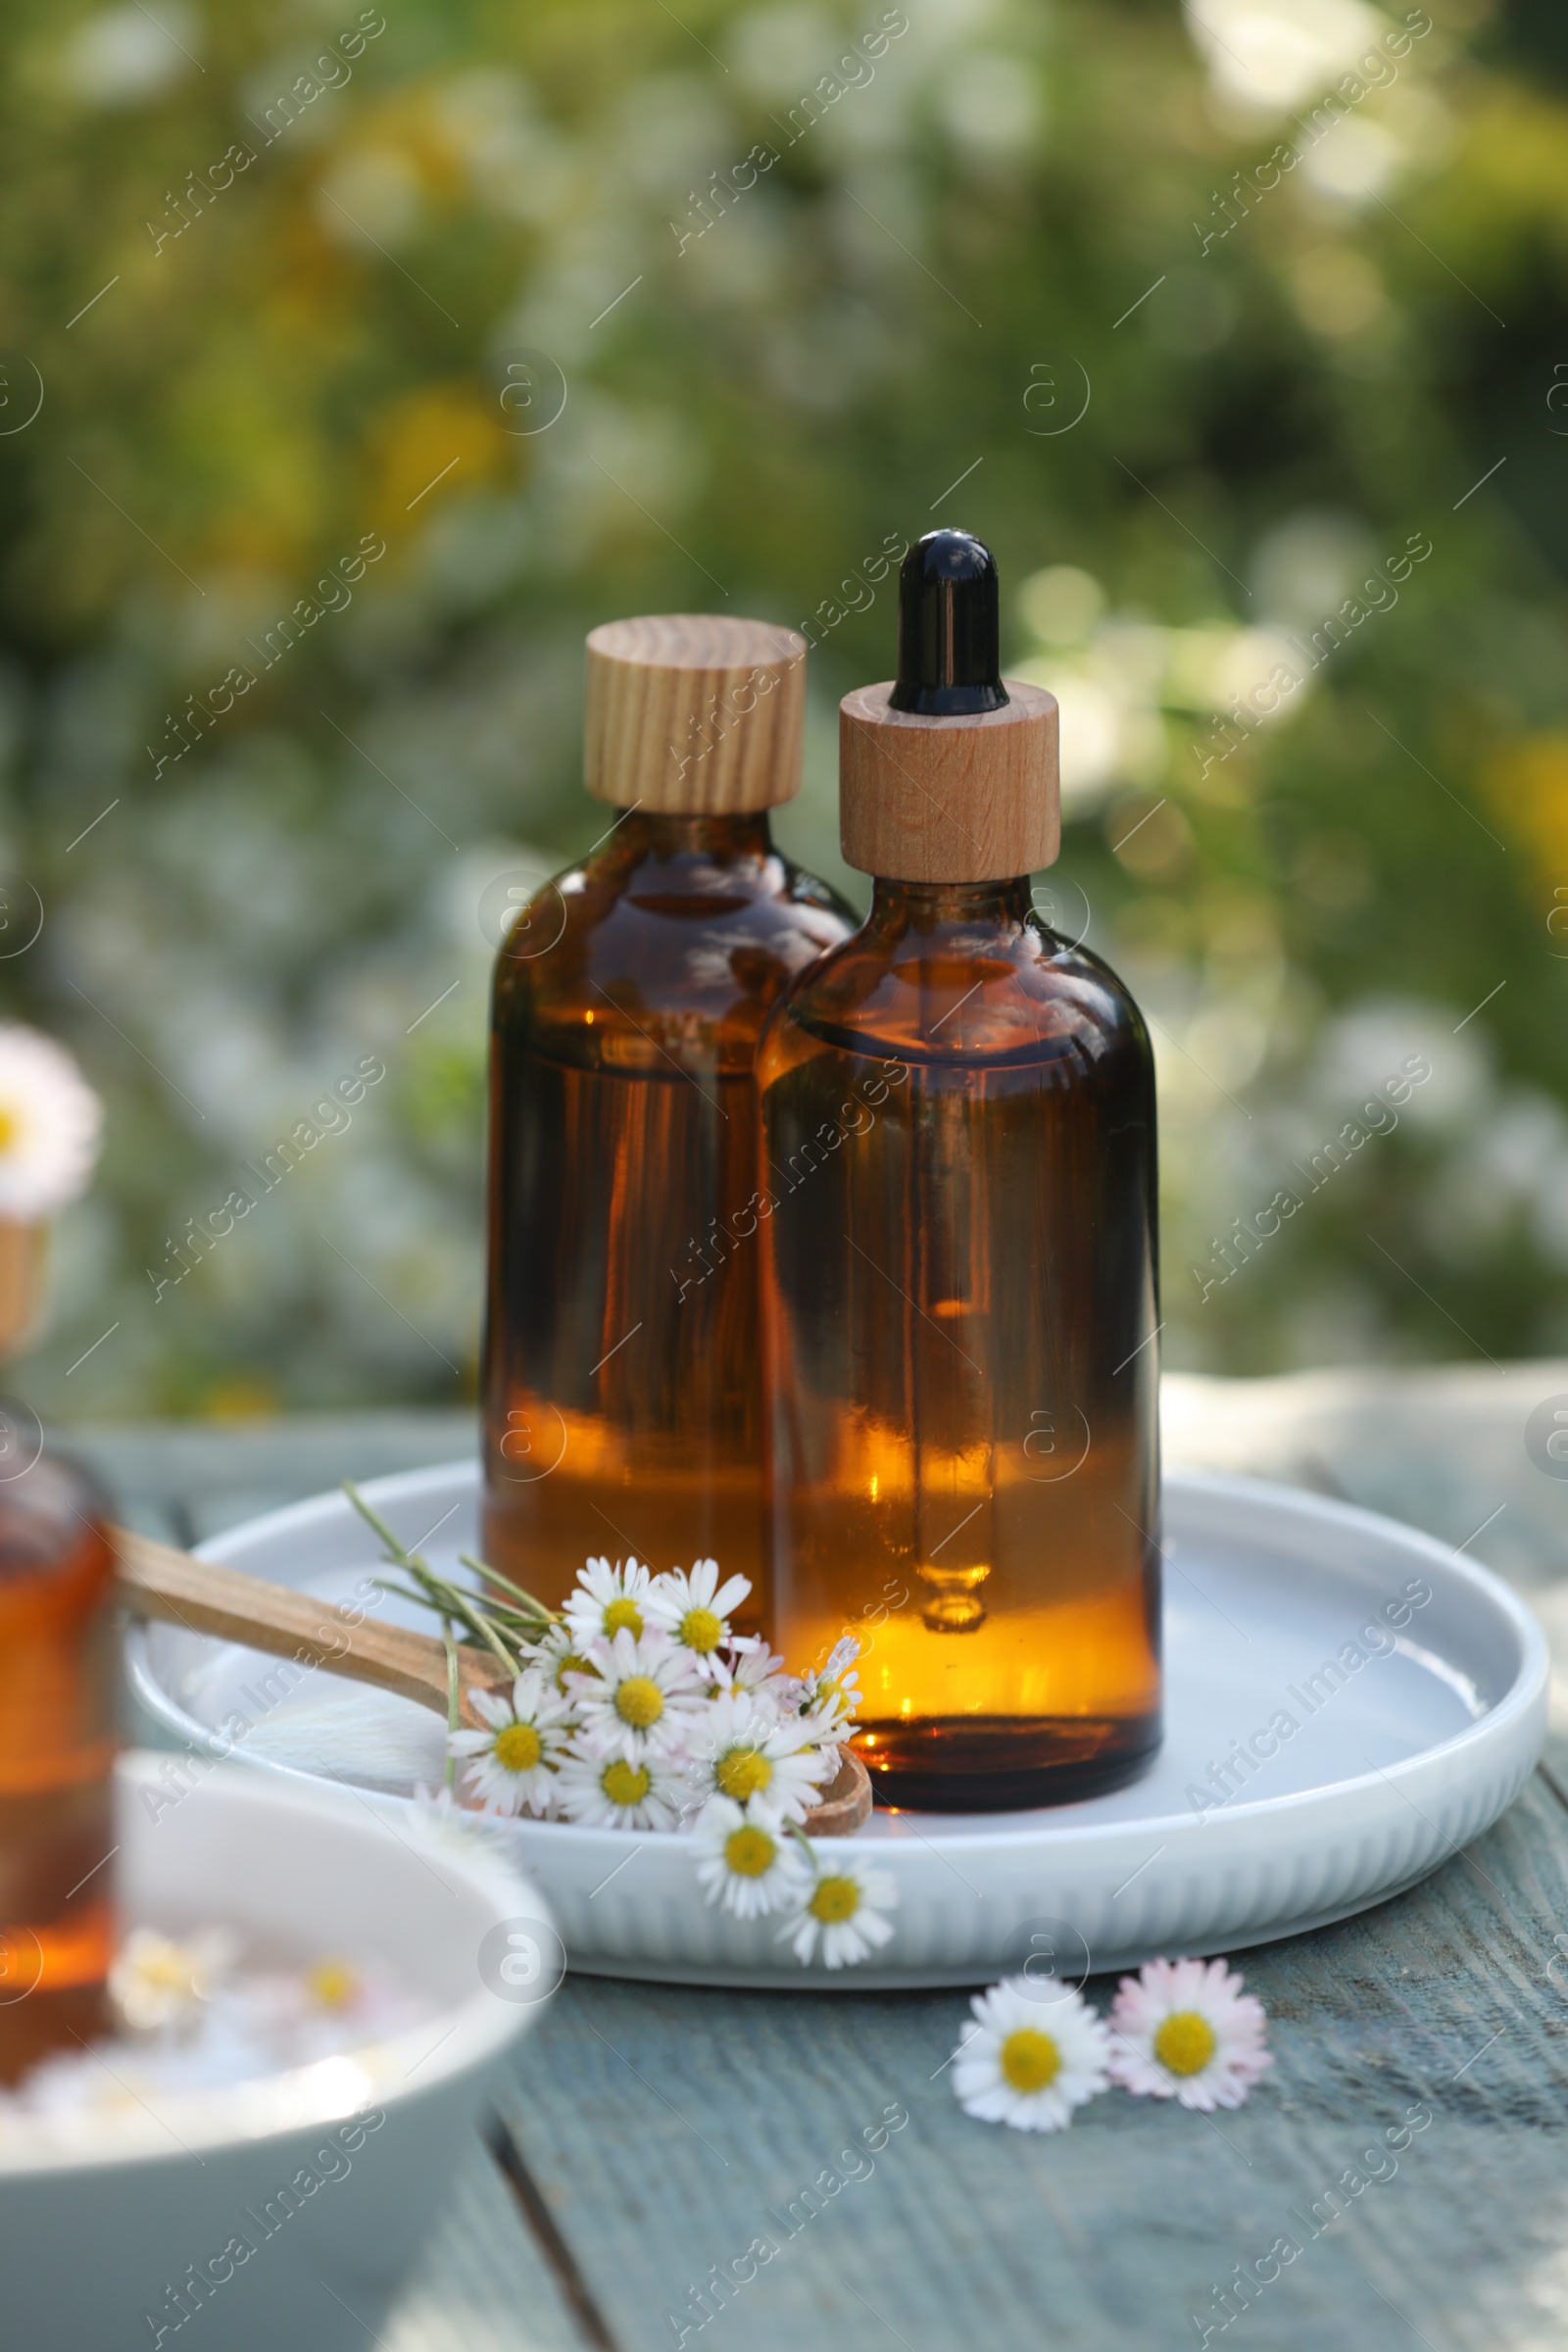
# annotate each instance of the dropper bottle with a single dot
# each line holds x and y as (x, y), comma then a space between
(959, 1277)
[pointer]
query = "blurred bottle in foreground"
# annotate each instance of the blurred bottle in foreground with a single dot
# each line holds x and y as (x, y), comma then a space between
(57, 1717)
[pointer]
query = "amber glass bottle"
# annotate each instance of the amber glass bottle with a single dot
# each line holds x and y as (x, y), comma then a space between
(959, 1279)
(57, 1748)
(621, 1381)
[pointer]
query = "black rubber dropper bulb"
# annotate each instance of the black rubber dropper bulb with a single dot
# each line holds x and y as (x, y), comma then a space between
(949, 638)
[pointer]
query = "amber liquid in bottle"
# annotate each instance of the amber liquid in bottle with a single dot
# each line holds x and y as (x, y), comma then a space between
(621, 1404)
(57, 1748)
(960, 1291)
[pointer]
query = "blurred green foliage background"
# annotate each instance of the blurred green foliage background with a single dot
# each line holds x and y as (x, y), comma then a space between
(268, 268)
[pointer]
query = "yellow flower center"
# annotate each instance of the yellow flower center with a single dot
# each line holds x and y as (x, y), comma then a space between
(1030, 2060)
(518, 1747)
(571, 1664)
(743, 1773)
(834, 1901)
(1185, 2043)
(171, 1969)
(333, 1982)
(639, 1701)
(624, 1783)
(624, 1612)
(749, 1852)
(10, 1125)
(701, 1629)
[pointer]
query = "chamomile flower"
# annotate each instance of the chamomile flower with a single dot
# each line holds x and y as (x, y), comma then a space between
(50, 1125)
(510, 1762)
(1030, 2063)
(436, 1809)
(1183, 2030)
(829, 1698)
(558, 1653)
(640, 1708)
(752, 1666)
(440, 1814)
(643, 1700)
(603, 1790)
(847, 1907)
(746, 1859)
(693, 1608)
(159, 1985)
(741, 1751)
(333, 1983)
(606, 1602)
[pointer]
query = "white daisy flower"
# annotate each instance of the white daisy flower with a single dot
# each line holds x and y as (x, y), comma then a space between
(558, 1654)
(442, 1813)
(847, 1907)
(435, 1808)
(511, 1763)
(333, 1983)
(749, 1665)
(1030, 2066)
(830, 1696)
(694, 1609)
(645, 1696)
(606, 1602)
(159, 1985)
(746, 1859)
(1183, 2030)
(740, 1749)
(603, 1791)
(50, 1125)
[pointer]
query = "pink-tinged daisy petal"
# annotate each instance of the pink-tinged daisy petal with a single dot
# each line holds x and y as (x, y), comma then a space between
(1183, 2030)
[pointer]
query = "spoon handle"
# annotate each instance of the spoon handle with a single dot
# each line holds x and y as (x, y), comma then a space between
(157, 1581)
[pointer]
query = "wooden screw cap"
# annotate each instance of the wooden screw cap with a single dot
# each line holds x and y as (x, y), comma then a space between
(972, 798)
(694, 713)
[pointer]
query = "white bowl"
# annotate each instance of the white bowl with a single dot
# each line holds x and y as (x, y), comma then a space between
(102, 2215)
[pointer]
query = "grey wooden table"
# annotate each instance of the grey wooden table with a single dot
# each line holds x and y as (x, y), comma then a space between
(663, 2130)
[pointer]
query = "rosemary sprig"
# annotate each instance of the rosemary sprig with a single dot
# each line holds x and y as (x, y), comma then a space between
(526, 1604)
(504, 1627)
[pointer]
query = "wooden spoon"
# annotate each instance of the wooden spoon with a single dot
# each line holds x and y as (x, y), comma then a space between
(153, 1580)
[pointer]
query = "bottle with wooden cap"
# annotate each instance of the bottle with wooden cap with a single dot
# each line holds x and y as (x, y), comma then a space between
(960, 1276)
(622, 1384)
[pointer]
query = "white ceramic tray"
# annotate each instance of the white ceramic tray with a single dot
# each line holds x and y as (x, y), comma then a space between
(1393, 1763)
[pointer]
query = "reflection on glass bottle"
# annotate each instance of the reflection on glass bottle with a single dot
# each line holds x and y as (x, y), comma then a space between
(959, 1288)
(621, 1362)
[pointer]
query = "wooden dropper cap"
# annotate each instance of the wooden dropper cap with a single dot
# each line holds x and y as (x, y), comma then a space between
(694, 713)
(944, 774)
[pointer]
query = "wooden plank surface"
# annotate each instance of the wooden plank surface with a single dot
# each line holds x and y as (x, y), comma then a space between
(668, 2131)
(673, 2129)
